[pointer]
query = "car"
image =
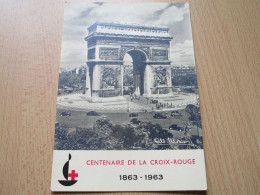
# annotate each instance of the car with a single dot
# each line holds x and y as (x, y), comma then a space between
(133, 115)
(57, 124)
(175, 113)
(175, 127)
(92, 113)
(153, 101)
(135, 121)
(65, 114)
(190, 106)
(103, 117)
(160, 116)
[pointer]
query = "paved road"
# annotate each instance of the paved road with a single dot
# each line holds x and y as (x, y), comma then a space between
(124, 104)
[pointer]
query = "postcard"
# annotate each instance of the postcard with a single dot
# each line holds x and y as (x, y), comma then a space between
(128, 112)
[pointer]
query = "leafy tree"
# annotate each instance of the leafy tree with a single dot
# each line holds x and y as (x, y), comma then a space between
(106, 136)
(69, 79)
(188, 80)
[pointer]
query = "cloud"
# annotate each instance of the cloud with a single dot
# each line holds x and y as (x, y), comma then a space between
(172, 14)
(183, 53)
(73, 53)
(78, 16)
(126, 12)
(74, 10)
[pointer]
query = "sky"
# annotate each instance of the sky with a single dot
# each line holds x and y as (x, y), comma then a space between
(79, 16)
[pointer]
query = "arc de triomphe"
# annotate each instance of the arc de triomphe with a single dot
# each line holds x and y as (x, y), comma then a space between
(148, 46)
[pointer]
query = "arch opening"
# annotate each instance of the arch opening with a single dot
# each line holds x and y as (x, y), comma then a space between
(133, 76)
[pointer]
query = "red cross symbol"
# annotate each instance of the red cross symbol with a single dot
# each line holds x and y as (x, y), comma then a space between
(73, 175)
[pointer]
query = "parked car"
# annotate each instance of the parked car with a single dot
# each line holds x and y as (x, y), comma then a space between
(135, 121)
(92, 113)
(160, 116)
(175, 127)
(65, 114)
(133, 115)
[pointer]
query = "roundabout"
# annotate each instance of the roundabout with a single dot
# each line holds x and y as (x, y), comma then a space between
(126, 103)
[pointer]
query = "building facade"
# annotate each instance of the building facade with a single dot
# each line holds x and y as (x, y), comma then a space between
(180, 71)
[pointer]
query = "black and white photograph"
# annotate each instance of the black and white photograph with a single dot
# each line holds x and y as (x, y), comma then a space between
(127, 78)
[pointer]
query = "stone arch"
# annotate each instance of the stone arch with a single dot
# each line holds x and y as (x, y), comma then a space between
(107, 45)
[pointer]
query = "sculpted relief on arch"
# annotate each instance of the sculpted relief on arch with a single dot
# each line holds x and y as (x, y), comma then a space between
(125, 49)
